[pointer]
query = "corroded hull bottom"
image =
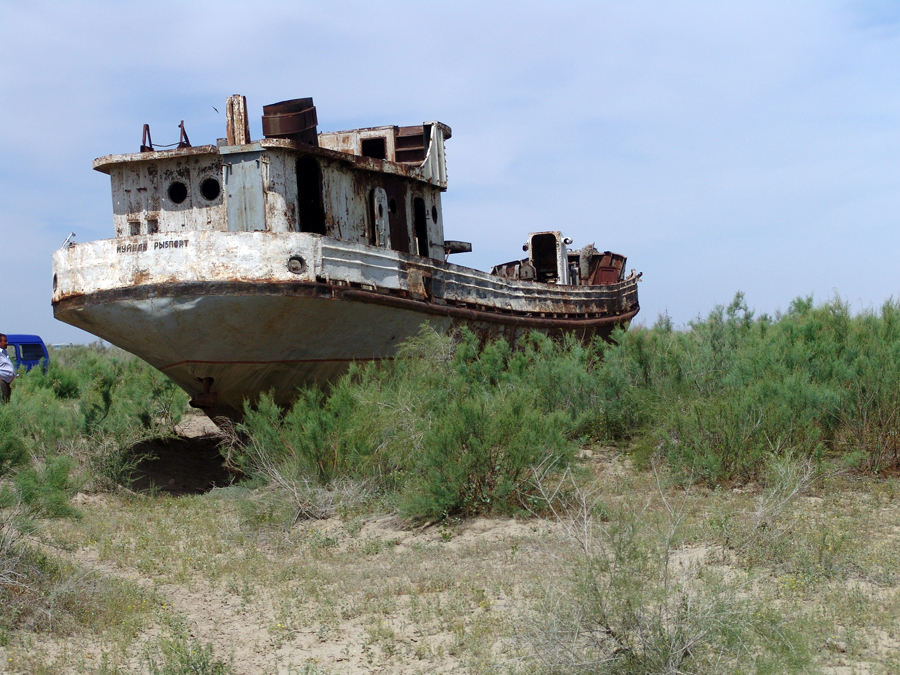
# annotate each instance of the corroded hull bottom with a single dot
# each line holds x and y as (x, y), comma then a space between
(226, 344)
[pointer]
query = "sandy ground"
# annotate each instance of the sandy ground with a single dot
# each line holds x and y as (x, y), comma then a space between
(422, 601)
(246, 632)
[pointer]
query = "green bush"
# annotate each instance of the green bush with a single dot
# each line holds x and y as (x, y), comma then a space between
(478, 453)
(86, 411)
(722, 397)
(490, 425)
(46, 489)
(451, 426)
(91, 389)
(94, 404)
(13, 451)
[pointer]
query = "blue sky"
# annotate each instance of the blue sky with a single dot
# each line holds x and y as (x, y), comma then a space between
(721, 146)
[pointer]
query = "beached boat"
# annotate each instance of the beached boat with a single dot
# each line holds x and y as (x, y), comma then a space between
(250, 266)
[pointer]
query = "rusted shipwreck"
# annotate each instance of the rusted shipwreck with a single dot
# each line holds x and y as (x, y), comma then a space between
(250, 266)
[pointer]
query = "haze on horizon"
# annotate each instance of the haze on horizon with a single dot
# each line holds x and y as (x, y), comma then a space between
(720, 146)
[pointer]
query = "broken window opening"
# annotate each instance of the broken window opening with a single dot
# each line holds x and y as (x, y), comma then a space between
(374, 147)
(309, 196)
(372, 221)
(421, 225)
(543, 256)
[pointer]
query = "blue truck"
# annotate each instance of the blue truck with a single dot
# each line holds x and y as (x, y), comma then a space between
(28, 351)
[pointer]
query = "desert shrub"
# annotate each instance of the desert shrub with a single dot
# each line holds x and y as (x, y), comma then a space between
(477, 453)
(630, 601)
(180, 654)
(88, 409)
(46, 488)
(733, 435)
(451, 425)
(15, 516)
(111, 459)
(29, 490)
(500, 412)
(13, 451)
(869, 434)
(47, 421)
(307, 441)
(92, 388)
(719, 399)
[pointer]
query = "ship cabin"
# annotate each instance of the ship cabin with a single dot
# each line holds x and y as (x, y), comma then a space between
(379, 186)
(549, 261)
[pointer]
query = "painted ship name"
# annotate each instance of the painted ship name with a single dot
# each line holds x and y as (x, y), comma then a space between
(143, 246)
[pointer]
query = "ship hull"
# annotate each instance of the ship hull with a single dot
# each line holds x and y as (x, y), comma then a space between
(232, 323)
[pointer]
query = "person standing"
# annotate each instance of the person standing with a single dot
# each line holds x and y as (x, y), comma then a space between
(7, 372)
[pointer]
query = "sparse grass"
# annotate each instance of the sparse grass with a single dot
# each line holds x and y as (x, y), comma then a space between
(635, 599)
(754, 535)
(58, 598)
(180, 654)
(372, 592)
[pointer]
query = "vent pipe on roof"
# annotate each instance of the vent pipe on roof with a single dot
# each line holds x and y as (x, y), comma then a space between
(237, 124)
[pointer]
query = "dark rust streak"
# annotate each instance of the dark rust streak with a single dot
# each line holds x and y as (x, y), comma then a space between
(487, 317)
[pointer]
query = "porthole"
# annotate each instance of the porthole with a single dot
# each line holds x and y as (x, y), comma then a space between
(434, 214)
(296, 264)
(177, 192)
(55, 282)
(210, 189)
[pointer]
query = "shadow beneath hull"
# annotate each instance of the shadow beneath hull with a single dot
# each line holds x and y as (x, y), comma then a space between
(180, 466)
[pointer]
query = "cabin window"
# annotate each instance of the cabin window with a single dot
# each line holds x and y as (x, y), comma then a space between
(309, 196)
(134, 227)
(152, 226)
(178, 192)
(210, 189)
(374, 147)
(544, 257)
(421, 225)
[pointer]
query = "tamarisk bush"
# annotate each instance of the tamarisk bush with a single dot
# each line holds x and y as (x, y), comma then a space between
(451, 426)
